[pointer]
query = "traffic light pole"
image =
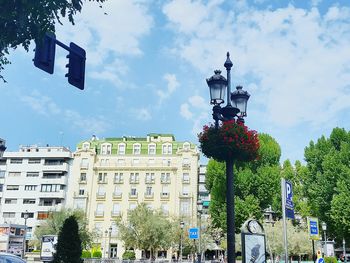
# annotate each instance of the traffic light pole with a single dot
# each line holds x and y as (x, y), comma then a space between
(45, 59)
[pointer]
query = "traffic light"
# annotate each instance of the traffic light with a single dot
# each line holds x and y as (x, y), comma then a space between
(76, 66)
(44, 57)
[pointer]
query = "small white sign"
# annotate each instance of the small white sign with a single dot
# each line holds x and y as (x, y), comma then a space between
(48, 247)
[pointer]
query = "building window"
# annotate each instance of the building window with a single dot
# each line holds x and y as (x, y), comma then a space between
(151, 149)
(83, 177)
(33, 161)
(165, 178)
(101, 191)
(185, 177)
(167, 148)
(116, 209)
(32, 174)
(30, 215)
(165, 190)
(185, 208)
(10, 201)
(2, 174)
(53, 162)
(102, 177)
(50, 187)
(151, 161)
(86, 146)
(118, 178)
(12, 187)
(186, 146)
(81, 191)
(9, 214)
(100, 209)
(135, 161)
(1, 187)
(186, 162)
(117, 191)
(134, 178)
(149, 178)
(133, 191)
(121, 161)
(17, 161)
(14, 174)
(185, 190)
(84, 163)
(136, 148)
(121, 148)
(28, 201)
(132, 206)
(106, 148)
(149, 190)
(165, 209)
(43, 215)
(29, 187)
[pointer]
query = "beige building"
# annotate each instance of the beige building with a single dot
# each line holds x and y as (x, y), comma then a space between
(113, 175)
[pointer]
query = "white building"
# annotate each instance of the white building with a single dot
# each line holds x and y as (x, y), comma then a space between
(34, 179)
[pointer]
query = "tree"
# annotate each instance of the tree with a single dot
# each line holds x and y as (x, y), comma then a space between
(146, 229)
(326, 181)
(53, 224)
(257, 185)
(68, 248)
(22, 21)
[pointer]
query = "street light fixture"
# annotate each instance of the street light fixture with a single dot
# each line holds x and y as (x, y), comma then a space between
(182, 224)
(217, 86)
(324, 228)
(25, 216)
(2, 147)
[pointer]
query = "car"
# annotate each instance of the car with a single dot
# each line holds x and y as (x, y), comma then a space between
(10, 258)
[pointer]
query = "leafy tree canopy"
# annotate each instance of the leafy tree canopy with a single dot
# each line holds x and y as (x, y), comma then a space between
(53, 224)
(22, 21)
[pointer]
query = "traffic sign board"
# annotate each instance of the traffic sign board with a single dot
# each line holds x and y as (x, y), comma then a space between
(193, 233)
(320, 260)
(312, 223)
(289, 205)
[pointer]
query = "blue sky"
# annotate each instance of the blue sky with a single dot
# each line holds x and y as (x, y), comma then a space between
(147, 61)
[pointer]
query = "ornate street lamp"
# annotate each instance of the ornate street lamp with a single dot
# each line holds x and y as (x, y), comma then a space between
(324, 228)
(200, 210)
(217, 86)
(25, 216)
(182, 224)
(2, 147)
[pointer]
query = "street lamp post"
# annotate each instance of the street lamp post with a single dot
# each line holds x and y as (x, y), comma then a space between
(217, 87)
(105, 246)
(25, 216)
(182, 224)
(344, 250)
(199, 210)
(324, 228)
(109, 241)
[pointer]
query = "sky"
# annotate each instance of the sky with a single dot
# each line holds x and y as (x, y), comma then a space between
(147, 62)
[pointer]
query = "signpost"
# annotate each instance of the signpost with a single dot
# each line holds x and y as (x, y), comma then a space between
(287, 210)
(193, 233)
(314, 232)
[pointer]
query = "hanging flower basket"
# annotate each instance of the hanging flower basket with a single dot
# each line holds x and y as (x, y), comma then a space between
(231, 140)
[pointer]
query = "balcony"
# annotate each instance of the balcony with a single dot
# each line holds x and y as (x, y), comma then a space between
(100, 196)
(59, 194)
(55, 167)
(119, 181)
(57, 180)
(186, 181)
(117, 195)
(133, 196)
(105, 181)
(185, 195)
(149, 196)
(164, 196)
(149, 181)
(77, 195)
(134, 181)
(99, 214)
(165, 181)
(115, 213)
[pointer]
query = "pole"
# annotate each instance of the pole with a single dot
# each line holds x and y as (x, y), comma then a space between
(109, 242)
(344, 250)
(313, 251)
(24, 237)
(181, 246)
(200, 234)
(230, 212)
(325, 243)
(283, 192)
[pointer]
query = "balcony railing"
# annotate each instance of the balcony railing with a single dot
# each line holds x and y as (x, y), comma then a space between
(164, 196)
(100, 195)
(115, 213)
(149, 195)
(99, 213)
(117, 195)
(133, 196)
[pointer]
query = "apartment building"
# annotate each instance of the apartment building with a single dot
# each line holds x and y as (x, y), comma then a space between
(203, 193)
(33, 181)
(113, 175)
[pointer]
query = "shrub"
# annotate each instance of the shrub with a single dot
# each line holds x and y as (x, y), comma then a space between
(97, 254)
(330, 259)
(129, 255)
(86, 254)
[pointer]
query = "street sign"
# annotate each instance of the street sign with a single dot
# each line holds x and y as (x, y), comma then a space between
(193, 233)
(314, 232)
(289, 205)
(320, 260)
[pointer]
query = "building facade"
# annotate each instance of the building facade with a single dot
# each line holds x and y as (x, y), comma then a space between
(114, 175)
(33, 181)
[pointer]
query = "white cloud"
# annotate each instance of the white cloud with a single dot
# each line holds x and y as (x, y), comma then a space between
(44, 105)
(109, 37)
(298, 58)
(172, 85)
(142, 114)
(185, 111)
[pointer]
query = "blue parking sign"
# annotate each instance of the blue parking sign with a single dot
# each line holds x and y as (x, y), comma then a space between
(193, 233)
(314, 232)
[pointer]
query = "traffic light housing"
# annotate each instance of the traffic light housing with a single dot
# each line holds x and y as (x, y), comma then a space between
(76, 66)
(45, 50)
